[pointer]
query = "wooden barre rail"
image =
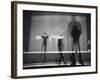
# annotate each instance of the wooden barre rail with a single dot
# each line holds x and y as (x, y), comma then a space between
(31, 52)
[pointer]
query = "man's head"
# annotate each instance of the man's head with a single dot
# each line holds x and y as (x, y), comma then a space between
(73, 17)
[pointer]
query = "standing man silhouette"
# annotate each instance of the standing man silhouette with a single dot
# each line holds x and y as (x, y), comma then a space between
(75, 33)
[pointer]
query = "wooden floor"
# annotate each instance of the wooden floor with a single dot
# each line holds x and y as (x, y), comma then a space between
(36, 60)
(52, 64)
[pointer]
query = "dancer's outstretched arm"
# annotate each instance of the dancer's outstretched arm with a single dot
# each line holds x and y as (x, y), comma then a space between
(37, 37)
(56, 37)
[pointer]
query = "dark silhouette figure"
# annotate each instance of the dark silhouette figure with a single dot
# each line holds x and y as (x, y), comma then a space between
(44, 44)
(75, 32)
(60, 49)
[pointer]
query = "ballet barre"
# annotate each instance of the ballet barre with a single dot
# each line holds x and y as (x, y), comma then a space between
(40, 52)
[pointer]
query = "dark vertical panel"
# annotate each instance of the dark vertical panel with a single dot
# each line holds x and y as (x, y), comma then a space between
(88, 26)
(88, 21)
(26, 29)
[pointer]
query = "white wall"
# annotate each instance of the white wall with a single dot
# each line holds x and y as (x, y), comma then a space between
(5, 41)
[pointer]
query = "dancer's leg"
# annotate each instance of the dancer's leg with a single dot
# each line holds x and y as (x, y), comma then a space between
(80, 56)
(44, 59)
(62, 57)
(59, 59)
(72, 55)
